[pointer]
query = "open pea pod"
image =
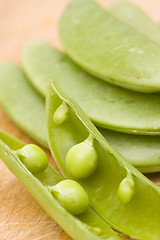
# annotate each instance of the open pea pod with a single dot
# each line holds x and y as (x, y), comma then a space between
(136, 18)
(11, 141)
(108, 48)
(106, 105)
(141, 151)
(118, 192)
(83, 226)
(21, 102)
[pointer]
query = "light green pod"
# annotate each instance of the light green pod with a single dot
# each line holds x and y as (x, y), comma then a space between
(125, 111)
(81, 159)
(21, 102)
(142, 197)
(108, 48)
(143, 152)
(33, 157)
(71, 196)
(87, 225)
(136, 18)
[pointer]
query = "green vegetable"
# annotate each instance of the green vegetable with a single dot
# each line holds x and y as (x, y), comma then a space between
(33, 157)
(141, 151)
(136, 18)
(85, 226)
(102, 186)
(20, 101)
(108, 48)
(126, 189)
(71, 196)
(60, 114)
(81, 159)
(125, 111)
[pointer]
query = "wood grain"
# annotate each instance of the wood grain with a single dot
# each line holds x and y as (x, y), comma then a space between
(22, 21)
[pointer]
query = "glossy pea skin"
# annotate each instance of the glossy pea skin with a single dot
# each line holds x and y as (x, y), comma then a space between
(71, 196)
(61, 114)
(81, 160)
(33, 157)
(126, 190)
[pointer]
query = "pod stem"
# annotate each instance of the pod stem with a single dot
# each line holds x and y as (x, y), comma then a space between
(89, 141)
(20, 153)
(129, 176)
(64, 106)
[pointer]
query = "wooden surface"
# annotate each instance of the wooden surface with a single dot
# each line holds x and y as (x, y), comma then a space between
(22, 21)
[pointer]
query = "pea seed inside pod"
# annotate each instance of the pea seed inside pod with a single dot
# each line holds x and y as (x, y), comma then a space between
(61, 114)
(33, 157)
(126, 189)
(81, 160)
(95, 230)
(71, 196)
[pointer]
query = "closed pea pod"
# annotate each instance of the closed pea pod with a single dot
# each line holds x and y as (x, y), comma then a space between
(21, 102)
(114, 199)
(109, 48)
(125, 111)
(128, 12)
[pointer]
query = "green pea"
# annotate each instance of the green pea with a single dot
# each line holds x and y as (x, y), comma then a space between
(33, 157)
(81, 159)
(126, 189)
(61, 114)
(71, 196)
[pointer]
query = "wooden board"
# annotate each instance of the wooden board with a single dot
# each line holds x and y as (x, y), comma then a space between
(22, 21)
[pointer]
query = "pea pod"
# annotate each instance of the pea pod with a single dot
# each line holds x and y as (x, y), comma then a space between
(108, 48)
(125, 111)
(102, 186)
(85, 226)
(141, 151)
(136, 18)
(20, 101)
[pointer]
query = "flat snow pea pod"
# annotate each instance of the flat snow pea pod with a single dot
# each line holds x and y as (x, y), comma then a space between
(84, 226)
(143, 152)
(125, 111)
(136, 18)
(142, 196)
(108, 48)
(22, 104)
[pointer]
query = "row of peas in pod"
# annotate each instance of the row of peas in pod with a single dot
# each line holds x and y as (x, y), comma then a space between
(107, 80)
